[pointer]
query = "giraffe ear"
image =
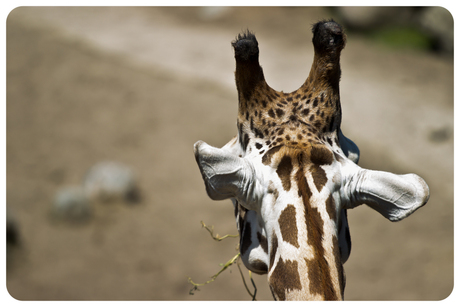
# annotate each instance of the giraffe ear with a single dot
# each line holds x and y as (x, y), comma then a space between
(394, 196)
(227, 176)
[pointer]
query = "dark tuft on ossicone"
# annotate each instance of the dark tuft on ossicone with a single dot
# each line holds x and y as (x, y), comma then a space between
(246, 46)
(328, 36)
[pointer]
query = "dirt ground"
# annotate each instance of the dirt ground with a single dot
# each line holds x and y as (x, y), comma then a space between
(141, 86)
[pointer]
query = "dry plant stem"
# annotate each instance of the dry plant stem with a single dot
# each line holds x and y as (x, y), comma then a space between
(225, 266)
(216, 237)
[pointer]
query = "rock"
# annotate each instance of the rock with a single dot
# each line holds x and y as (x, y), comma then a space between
(71, 204)
(110, 181)
(12, 230)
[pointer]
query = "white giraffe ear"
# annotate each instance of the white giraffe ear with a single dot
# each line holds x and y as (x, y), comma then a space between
(394, 196)
(227, 176)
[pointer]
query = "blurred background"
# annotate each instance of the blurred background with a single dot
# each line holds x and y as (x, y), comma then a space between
(104, 198)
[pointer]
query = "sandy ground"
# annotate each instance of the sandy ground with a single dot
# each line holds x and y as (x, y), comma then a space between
(140, 86)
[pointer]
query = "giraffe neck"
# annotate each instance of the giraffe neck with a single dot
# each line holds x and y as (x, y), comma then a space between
(304, 255)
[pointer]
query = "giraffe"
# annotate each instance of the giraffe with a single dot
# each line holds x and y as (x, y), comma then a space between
(292, 174)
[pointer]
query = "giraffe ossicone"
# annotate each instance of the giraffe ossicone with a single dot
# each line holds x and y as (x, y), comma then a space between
(292, 174)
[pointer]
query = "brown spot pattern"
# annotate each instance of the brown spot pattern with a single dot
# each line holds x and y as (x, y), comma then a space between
(321, 155)
(330, 208)
(319, 176)
(288, 225)
(284, 172)
(267, 157)
(318, 268)
(285, 277)
(338, 263)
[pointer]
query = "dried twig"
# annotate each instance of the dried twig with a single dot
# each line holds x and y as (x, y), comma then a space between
(216, 236)
(224, 266)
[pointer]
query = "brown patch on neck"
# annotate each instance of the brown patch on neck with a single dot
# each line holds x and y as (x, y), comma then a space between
(319, 176)
(330, 208)
(285, 277)
(304, 189)
(267, 157)
(321, 155)
(318, 268)
(284, 172)
(338, 264)
(288, 225)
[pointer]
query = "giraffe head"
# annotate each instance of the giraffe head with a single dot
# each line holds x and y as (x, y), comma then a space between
(292, 174)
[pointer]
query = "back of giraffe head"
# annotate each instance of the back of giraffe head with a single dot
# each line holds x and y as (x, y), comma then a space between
(290, 153)
(307, 120)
